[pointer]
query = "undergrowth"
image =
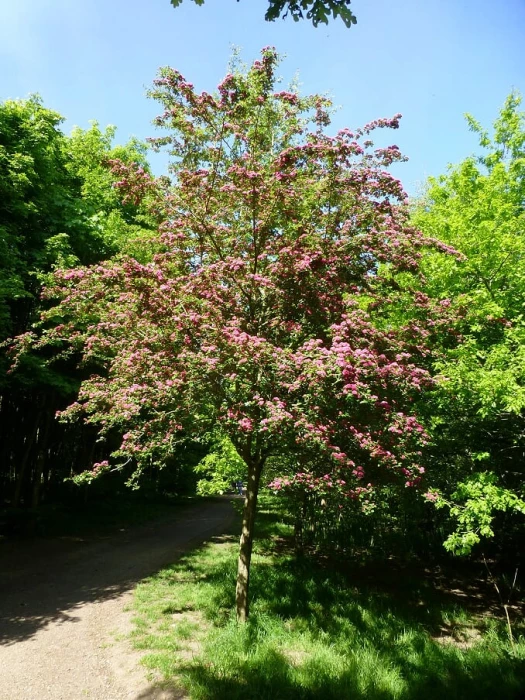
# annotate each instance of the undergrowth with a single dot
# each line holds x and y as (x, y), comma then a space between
(317, 630)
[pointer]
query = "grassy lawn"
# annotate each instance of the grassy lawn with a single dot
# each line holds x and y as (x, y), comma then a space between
(318, 630)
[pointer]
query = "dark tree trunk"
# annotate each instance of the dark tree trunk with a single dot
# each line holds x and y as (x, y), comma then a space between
(300, 519)
(22, 467)
(43, 440)
(246, 543)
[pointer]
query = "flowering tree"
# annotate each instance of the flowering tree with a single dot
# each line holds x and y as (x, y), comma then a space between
(270, 311)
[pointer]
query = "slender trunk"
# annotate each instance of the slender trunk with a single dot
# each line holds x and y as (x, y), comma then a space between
(300, 519)
(22, 467)
(43, 440)
(246, 543)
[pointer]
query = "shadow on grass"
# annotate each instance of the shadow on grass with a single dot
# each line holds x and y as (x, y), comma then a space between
(380, 646)
(319, 630)
(276, 679)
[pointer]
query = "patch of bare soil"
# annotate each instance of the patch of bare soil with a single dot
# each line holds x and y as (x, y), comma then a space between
(63, 618)
(462, 637)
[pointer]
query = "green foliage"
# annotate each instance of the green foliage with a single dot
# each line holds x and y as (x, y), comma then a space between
(478, 413)
(58, 209)
(34, 198)
(221, 466)
(115, 226)
(318, 11)
(473, 505)
(478, 209)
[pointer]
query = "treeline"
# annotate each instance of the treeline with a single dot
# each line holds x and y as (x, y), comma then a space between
(59, 209)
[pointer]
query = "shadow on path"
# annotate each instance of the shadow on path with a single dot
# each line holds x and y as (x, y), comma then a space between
(48, 581)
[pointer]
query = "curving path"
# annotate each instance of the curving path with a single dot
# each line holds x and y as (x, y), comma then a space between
(63, 608)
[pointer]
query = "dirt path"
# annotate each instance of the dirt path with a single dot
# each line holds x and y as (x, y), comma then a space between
(62, 609)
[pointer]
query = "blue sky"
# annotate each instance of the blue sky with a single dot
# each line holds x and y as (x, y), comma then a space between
(431, 60)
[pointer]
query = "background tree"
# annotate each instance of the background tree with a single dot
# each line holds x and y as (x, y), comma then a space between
(221, 468)
(318, 11)
(479, 412)
(58, 208)
(281, 246)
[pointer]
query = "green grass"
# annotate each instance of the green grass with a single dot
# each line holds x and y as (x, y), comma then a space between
(317, 630)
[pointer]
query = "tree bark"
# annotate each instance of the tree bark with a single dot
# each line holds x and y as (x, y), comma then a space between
(22, 467)
(43, 440)
(246, 543)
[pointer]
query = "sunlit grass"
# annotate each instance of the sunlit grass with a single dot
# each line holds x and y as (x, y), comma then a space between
(315, 632)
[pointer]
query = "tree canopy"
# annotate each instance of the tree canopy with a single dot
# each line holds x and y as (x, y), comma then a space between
(317, 11)
(269, 312)
(477, 207)
(58, 209)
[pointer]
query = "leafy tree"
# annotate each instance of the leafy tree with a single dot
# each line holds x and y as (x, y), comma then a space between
(113, 226)
(318, 11)
(58, 208)
(478, 207)
(33, 196)
(264, 315)
(221, 467)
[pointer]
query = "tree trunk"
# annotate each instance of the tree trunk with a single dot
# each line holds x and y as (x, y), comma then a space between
(43, 440)
(22, 467)
(300, 519)
(246, 543)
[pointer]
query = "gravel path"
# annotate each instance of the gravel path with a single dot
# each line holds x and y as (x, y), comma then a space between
(63, 608)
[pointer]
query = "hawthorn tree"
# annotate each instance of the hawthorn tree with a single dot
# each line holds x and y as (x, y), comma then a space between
(269, 315)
